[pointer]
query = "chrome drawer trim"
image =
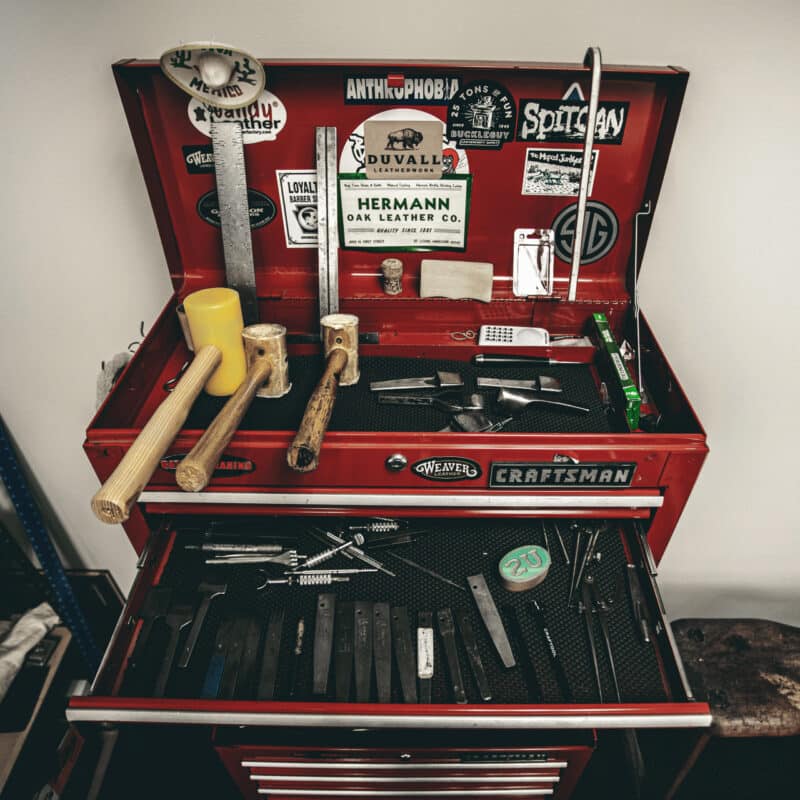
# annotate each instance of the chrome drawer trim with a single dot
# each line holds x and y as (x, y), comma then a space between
(499, 500)
(406, 793)
(401, 765)
(399, 779)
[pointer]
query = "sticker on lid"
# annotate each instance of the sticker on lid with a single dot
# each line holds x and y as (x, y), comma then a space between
(565, 121)
(261, 121)
(352, 158)
(600, 227)
(199, 158)
(555, 171)
(403, 149)
(482, 116)
(262, 208)
(299, 206)
(420, 90)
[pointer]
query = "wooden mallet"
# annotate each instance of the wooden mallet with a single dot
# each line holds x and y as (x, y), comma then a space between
(340, 345)
(215, 319)
(267, 376)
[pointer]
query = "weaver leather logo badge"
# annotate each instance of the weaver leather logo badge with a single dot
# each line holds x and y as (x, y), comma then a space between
(262, 208)
(549, 475)
(565, 121)
(600, 232)
(228, 466)
(418, 90)
(441, 468)
(481, 116)
(199, 158)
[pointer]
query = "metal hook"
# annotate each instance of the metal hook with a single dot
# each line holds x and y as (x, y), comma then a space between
(171, 383)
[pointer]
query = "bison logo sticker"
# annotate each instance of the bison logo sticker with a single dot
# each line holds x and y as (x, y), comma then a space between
(403, 149)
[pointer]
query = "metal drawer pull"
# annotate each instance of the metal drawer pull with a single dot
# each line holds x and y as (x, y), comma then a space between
(450, 779)
(415, 765)
(406, 793)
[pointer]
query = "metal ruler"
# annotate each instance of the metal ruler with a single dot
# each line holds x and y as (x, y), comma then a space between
(28, 512)
(327, 222)
(234, 213)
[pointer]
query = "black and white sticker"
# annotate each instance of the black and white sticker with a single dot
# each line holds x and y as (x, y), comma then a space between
(482, 116)
(298, 189)
(555, 171)
(199, 158)
(261, 121)
(353, 155)
(565, 121)
(601, 229)
(262, 208)
(444, 468)
(418, 90)
(517, 475)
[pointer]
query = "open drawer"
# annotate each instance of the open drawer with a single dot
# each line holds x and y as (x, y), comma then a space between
(652, 685)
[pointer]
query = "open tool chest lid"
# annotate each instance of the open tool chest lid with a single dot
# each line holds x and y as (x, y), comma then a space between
(512, 146)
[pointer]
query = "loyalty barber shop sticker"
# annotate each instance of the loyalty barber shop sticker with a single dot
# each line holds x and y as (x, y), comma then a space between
(261, 121)
(556, 172)
(565, 121)
(482, 116)
(601, 229)
(262, 208)
(353, 155)
(299, 206)
(442, 468)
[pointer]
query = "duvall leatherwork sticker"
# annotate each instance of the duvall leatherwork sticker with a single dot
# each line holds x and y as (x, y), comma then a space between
(403, 149)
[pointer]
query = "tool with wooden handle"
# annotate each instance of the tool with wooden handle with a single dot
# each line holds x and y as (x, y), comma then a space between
(267, 376)
(340, 342)
(215, 317)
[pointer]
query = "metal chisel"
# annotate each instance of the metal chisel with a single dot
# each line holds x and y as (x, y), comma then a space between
(272, 649)
(425, 655)
(404, 653)
(216, 665)
(382, 649)
(297, 656)
(541, 384)
(209, 592)
(363, 650)
(245, 682)
(441, 380)
(323, 641)
(473, 654)
(234, 647)
(537, 613)
(177, 619)
(447, 630)
(344, 634)
(491, 619)
(535, 694)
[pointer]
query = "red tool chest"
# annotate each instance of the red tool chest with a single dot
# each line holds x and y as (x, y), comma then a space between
(544, 468)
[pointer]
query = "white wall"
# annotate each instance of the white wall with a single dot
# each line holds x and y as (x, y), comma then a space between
(83, 264)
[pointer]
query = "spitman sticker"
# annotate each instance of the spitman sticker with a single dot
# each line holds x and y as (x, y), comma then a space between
(550, 475)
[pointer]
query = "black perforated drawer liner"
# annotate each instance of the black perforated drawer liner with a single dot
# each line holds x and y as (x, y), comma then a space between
(357, 408)
(454, 548)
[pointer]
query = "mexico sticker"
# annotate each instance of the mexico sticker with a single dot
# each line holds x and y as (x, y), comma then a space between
(555, 172)
(601, 229)
(299, 206)
(565, 121)
(418, 90)
(482, 116)
(404, 214)
(261, 121)
(352, 159)
(262, 208)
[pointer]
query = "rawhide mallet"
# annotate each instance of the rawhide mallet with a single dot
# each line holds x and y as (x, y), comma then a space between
(215, 319)
(267, 376)
(340, 345)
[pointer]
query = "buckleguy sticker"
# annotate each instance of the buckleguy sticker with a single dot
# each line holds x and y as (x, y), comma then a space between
(262, 208)
(353, 155)
(199, 158)
(299, 206)
(600, 232)
(418, 90)
(261, 121)
(482, 116)
(565, 121)
(555, 171)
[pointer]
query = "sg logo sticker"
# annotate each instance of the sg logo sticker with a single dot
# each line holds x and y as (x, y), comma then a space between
(601, 231)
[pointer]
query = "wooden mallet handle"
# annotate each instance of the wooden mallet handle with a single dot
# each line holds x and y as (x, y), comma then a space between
(113, 501)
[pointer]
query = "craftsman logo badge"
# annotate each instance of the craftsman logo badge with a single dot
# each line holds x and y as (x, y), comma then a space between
(199, 158)
(299, 205)
(482, 116)
(549, 475)
(418, 90)
(353, 156)
(403, 150)
(262, 208)
(228, 466)
(441, 468)
(555, 172)
(600, 232)
(261, 121)
(565, 121)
